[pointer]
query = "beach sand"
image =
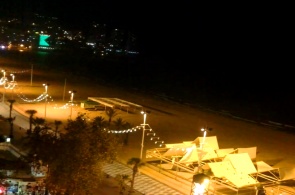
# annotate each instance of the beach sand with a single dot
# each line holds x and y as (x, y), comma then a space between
(172, 122)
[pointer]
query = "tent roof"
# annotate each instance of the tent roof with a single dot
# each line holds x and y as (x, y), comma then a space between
(210, 141)
(223, 152)
(175, 152)
(192, 155)
(236, 169)
(263, 167)
(195, 154)
(287, 173)
(250, 150)
(241, 162)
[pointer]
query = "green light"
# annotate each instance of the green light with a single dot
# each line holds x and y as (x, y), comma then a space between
(43, 40)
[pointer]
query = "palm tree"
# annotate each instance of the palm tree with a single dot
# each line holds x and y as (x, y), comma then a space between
(31, 113)
(121, 124)
(99, 121)
(127, 125)
(10, 106)
(135, 163)
(10, 119)
(110, 112)
(39, 123)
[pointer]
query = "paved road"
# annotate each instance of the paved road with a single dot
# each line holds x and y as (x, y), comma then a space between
(143, 183)
(20, 120)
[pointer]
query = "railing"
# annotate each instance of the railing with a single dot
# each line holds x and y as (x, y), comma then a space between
(157, 153)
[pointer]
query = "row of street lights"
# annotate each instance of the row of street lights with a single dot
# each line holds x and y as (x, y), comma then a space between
(4, 81)
(72, 92)
(71, 100)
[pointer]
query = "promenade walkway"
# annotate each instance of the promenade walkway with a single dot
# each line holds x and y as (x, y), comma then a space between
(148, 181)
(143, 183)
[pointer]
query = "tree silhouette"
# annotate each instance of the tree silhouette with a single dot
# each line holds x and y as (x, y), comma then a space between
(31, 119)
(99, 122)
(10, 106)
(10, 119)
(111, 113)
(120, 124)
(135, 163)
(77, 157)
(127, 125)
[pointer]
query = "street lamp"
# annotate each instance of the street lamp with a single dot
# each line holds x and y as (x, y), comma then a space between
(200, 164)
(204, 137)
(143, 132)
(200, 184)
(12, 75)
(4, 73)
(12, 85)
(3, 82)
(72, 100)
(46, 89)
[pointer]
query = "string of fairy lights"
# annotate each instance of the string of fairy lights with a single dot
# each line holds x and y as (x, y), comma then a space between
(37, 99)
(156, 139)
(20, 71)
(12, 84)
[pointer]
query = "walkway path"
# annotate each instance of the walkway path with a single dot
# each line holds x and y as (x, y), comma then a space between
(143, 183)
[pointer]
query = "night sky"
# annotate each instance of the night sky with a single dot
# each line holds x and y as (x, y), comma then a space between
(240, 49)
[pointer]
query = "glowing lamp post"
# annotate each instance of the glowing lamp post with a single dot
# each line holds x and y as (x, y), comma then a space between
(204, 137)
(4, 73)
(12, 76)
(13, 84)
(46, 94)
(72, 101)
(143, 132)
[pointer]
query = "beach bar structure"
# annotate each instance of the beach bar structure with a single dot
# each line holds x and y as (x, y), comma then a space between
(231, 170)
(116, 103)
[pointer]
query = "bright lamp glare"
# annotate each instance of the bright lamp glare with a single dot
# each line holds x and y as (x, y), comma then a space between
(201, 184)
(199, 189)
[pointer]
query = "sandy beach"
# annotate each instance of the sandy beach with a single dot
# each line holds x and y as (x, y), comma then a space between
(172, 122)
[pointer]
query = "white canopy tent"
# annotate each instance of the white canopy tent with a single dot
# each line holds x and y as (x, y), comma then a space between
(236, 169)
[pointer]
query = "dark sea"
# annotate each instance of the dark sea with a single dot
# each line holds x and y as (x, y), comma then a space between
(264, 95)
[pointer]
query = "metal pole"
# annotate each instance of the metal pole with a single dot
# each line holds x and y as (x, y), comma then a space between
(72, 96)
(63, 98)
(143, 132)
(72, 101)
(46, 89)
(45, 106)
